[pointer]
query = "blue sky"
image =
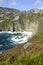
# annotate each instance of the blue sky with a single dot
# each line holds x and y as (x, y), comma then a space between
(22, 4)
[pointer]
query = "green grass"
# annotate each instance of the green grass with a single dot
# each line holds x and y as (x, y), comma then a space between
(6, 24)
(37, 38)
(32, 59)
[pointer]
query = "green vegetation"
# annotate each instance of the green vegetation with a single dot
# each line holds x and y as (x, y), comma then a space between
(37, 38)
(17, 58)
(6, 24)
(33, 55)
(24, 21)
(32, 59)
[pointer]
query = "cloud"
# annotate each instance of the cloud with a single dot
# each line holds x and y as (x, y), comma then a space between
(13, 3)
(40, 7)
(38, 2)
(2, 1)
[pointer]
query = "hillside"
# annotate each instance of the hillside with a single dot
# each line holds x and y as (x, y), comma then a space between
(20, 55)
(7, 18)
(31, 52)
(15, 20)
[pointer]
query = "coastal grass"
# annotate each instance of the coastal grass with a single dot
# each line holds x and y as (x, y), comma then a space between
(32, 59)
(37, 38)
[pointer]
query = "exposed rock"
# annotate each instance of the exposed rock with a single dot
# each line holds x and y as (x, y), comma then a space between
(15, 20)
(27, 45)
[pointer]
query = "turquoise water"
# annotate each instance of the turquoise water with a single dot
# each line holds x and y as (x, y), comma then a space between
(6, 42)
(10, 40)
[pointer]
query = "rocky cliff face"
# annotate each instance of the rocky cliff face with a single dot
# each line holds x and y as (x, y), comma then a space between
(24, 24)
(15, 20)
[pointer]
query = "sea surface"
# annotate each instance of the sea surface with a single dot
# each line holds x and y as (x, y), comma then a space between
(11, 39)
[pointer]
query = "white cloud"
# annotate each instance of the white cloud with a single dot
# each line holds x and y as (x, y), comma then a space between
(38, 2)
(13, 3)
(2, 1)
(40, 7)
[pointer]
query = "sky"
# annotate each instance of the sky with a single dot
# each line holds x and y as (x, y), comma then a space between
(22, 4)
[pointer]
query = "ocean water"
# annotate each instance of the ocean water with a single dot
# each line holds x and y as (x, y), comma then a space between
(11, 39)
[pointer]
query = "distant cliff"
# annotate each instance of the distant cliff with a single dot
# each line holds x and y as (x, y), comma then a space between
(15, 20)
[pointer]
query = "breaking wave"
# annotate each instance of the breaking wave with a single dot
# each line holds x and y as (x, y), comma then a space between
(10, 39)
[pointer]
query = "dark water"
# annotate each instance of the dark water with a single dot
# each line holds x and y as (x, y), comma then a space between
(6, 42)
(10, 40)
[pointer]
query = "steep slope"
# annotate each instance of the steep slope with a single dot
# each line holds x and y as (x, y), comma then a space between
(15, 20)
(7, 18)
(32, 55)
(31, 52)
(32, 20)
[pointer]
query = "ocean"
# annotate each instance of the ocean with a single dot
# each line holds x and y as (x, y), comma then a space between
(9, 39)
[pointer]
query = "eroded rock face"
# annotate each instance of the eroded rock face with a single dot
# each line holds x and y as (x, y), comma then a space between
(15, 20)
(27, 26)
(24, 24)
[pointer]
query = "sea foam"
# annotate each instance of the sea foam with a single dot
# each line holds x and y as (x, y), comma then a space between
(22, 39)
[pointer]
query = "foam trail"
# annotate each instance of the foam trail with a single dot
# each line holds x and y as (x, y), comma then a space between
(13, 38)
(24, 38)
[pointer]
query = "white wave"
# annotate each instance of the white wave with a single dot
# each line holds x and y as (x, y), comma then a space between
(28, 33)
(22, 39)
(13, 39)
(1, 45)
(24, 32)
(19, 41)
(5, 32)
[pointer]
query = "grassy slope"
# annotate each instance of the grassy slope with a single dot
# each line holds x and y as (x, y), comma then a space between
(6, 24)
(33, 59)
(33, 55)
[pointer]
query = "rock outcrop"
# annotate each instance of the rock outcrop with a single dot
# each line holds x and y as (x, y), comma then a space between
(15, 20)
